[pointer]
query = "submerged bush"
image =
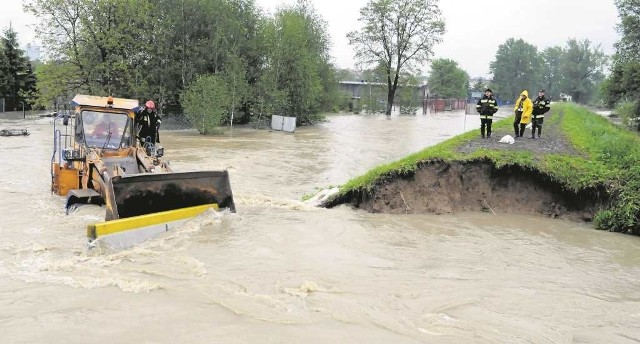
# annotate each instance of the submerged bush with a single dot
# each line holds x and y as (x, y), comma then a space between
(206, 103)
(627, 111)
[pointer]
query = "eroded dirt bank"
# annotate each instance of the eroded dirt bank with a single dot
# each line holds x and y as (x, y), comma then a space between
(439, 187)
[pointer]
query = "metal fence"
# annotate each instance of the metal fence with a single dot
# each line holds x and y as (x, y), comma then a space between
(442, 105)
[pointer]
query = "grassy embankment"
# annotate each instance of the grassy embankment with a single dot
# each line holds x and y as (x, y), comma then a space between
(608, 157)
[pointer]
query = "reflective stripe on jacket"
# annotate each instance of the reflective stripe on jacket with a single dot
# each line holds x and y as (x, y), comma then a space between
(540, 107)
(487, 106)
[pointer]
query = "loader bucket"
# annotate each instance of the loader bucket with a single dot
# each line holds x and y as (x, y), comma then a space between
(148, 193)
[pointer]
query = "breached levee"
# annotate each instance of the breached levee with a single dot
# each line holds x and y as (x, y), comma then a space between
(439, 187)
(584, 168)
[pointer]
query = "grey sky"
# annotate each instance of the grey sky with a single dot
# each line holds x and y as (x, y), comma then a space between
(475, 29)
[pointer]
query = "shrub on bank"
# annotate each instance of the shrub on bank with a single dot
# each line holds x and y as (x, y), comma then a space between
(626, 110)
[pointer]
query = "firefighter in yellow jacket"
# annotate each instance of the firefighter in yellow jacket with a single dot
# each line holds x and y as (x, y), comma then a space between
(523, 110)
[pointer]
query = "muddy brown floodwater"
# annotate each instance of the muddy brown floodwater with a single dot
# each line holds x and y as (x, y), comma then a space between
(281, 271)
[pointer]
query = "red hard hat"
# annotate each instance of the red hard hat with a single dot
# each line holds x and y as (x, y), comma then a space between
(150, 104)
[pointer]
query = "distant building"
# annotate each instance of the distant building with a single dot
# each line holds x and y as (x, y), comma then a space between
(33, 51)
(360, 89)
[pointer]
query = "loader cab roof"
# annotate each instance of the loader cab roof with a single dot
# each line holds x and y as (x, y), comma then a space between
(97, 101)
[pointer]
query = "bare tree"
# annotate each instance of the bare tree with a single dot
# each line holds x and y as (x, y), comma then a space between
(400, 34)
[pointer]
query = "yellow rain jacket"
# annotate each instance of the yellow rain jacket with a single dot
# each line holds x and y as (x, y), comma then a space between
(527, 107)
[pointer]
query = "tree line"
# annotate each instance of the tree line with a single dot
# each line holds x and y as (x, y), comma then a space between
(622, 87)
(577, 69)
(211, 59)
(250, 64)
(397, 38)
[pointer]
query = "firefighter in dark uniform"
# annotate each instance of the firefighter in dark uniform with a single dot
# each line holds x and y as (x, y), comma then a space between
(540, 107)
(486, 107)
(148, 124)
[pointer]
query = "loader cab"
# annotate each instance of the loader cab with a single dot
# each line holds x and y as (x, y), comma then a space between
(104, 130)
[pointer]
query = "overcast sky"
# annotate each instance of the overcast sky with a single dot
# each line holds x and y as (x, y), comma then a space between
(474, 29)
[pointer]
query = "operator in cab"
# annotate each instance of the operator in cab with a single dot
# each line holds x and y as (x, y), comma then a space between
(105, 127)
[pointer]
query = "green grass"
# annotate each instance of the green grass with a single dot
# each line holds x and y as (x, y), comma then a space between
(607, 156)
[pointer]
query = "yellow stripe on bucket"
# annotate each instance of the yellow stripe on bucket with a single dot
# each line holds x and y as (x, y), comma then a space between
(131, 223)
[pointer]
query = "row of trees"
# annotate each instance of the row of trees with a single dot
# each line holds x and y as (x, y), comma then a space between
(175, 52)
(248, 63)
(17, 79)
(397, 37)
(622, 88)
(576, 69)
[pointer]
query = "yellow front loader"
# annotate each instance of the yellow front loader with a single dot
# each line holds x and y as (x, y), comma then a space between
(97, 159)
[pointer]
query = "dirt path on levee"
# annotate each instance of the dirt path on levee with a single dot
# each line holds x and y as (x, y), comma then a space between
(439, 187)
(551, 141)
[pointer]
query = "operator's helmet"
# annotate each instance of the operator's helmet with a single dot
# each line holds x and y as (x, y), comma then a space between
(150, 105)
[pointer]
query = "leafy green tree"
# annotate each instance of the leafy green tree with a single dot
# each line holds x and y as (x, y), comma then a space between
(207, 34)
(622, 88)
(479, 85)
(64, 73)
(4, 72)
(234, 75)
(375, 97)
(54, 86)
(270, 97)
(408, 95)
(207, 103)
(213, 100)
(623, 83)
(517, 67)
(347, 75)
(628, 48)
(400, 34)
(582, 69)
(99, 38)
(551, 71)
(447, 80)
(17, 80)
(156, 49)
(29, 90)
(297, 76)
(330, 91)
